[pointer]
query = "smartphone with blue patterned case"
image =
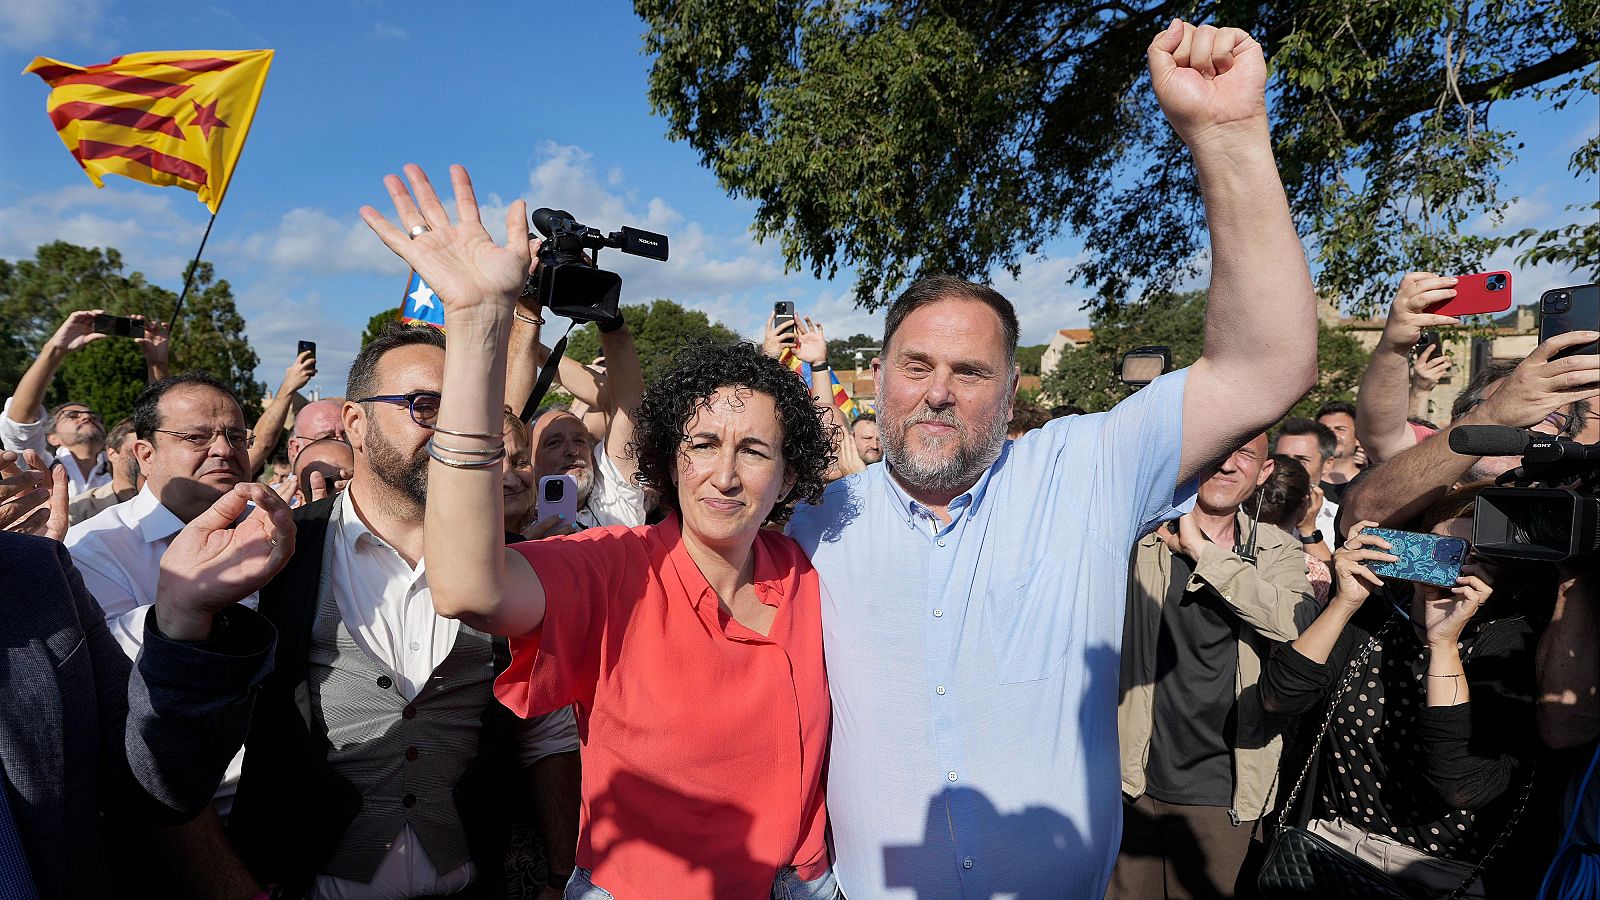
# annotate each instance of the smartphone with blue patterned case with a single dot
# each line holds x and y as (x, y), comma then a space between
(1428, 558)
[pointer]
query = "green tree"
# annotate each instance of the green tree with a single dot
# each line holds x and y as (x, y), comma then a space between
(36, 294)
(1087, 376)
(107, 375)
(907, 136)
(378, 323)
(1031, 358)
(659, 329)
(841, 351)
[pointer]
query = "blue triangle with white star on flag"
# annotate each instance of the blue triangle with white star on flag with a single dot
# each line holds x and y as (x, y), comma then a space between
(420, 304)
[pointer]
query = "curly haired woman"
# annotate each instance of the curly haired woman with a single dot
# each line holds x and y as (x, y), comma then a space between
(692, 649)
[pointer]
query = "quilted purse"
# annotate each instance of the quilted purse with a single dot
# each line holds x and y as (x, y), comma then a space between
(1301, 865)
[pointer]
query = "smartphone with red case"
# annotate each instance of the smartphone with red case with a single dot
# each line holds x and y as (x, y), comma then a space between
(1485, 292)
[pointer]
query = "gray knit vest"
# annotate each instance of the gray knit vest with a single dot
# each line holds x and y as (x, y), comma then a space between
(404, 758)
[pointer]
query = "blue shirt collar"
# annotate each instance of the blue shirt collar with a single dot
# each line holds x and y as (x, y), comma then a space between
(968, 499)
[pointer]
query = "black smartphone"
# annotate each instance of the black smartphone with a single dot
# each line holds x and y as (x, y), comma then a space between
(307, 347)
(782, 315)
(1428, 339)
(1570, 309)
(1143, 365)
(118, 326)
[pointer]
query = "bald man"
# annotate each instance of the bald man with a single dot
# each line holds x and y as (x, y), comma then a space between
(606, 494)
(316, 420)
(322, 467)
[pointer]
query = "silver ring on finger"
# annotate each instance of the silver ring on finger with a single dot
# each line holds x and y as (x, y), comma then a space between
(418, 229)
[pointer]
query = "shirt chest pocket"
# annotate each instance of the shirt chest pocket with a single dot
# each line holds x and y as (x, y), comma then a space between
(1024, 633)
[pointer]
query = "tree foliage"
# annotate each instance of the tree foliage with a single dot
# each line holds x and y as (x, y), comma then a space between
(36, 294)
(107, 375)
(659, 329)
(901, 137)
(378, 323)
(1087, 375)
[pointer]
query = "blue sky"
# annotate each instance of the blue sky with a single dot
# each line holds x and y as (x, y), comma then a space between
(544, 101)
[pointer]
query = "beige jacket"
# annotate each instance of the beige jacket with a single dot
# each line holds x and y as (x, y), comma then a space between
(1268, 597)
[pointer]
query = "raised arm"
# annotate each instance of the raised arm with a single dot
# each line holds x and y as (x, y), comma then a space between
(1261, 310)
(75, 332)
(622, 389)
(1385, 385)
(1538, 386)
(474, 576)
(269, 428)
(155, 347)
(812, 348)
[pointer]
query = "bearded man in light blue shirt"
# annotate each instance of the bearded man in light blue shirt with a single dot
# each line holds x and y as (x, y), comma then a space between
(974, 587)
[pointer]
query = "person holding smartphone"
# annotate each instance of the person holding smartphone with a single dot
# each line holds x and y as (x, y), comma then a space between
(1425, 763)
(692, 649)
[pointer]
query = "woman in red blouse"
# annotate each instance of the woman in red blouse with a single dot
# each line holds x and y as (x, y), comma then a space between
(692, 649)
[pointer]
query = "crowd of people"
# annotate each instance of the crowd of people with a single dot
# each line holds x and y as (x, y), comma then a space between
(769, 651)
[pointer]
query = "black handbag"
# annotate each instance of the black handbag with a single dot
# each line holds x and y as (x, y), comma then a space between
(1301, 865)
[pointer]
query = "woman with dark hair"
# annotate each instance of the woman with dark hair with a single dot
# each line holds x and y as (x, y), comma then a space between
(1427, 755)
(1283, 500)
(692, 649)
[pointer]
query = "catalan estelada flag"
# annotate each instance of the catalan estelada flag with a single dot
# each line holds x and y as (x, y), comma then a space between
(176, 117)
(841, 399)
(420, 305)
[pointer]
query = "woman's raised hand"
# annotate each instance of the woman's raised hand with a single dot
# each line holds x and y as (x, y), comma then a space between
(466, 269)
(1354, 582)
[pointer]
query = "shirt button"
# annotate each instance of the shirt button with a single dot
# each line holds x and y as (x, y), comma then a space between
(939, 690)
(408, 801)
(966, 863)
(938, 614)
(952, 776)
(415, 645)
(411, 753)
(941, 542)
(410, 712)
(385, 682)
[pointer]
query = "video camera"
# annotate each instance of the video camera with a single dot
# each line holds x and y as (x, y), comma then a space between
(572, 285)
(1544, 509)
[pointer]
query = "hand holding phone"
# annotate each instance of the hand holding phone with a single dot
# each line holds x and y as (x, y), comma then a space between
(118, 326)
(1569, 309)
(1484, 292)
(307, 347)
(1434, 559)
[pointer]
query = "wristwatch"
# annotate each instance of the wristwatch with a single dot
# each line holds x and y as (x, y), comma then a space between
(1314, 537)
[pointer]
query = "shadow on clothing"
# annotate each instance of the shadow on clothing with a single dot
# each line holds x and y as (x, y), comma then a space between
(649, 803)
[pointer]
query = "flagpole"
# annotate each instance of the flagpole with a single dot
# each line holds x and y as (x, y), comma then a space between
(188, 279)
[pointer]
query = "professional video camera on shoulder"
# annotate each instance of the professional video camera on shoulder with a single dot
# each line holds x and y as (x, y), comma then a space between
(573, 285)
(1546, 508)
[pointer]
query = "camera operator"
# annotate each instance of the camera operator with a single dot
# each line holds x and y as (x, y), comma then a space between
(71, 434)
(560, 442)
(1543, 393)
(1386, 397)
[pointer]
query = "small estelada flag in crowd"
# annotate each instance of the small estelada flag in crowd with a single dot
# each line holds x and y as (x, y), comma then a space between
(420, 305)
(176, 117)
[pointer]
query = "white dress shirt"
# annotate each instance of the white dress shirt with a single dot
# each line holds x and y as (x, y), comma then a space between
(118, 552)
(388, 610)
(613, 499)
(1326, 516)
(20, 436)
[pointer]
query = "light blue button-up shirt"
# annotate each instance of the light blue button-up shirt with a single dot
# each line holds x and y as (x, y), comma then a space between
(973, 665)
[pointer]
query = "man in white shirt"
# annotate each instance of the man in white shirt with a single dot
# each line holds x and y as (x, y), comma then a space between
(607, 494)
(1313, 444)
(378, 723)
(71, 434)
(125, 476)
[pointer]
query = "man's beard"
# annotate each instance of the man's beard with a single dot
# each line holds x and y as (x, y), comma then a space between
(871, 456)
(407, 475)
(931, 471)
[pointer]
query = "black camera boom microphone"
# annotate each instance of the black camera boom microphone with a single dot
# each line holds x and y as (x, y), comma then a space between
(1489, 440)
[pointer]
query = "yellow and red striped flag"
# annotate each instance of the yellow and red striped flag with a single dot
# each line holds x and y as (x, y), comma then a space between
(841, 398)
(176, 117)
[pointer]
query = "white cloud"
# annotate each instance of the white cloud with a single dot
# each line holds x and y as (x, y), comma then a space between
(278, 315)
(33, 24)
(389, 31)
(146, 226)
(308, 241)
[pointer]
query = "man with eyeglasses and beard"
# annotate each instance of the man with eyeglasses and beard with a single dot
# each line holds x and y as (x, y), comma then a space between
(376, 740)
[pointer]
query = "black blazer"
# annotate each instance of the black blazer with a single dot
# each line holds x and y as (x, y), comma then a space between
(83, 731)
(292, 807)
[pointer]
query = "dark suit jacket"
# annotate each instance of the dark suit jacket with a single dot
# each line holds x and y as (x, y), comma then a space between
(292, 807)
(84, 731)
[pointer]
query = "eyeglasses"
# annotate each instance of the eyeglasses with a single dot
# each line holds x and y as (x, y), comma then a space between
(237, 438)
(424, 405)
(73, 415)
(1563, 423)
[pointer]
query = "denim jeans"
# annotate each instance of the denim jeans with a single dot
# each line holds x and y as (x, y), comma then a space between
(787, 886)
